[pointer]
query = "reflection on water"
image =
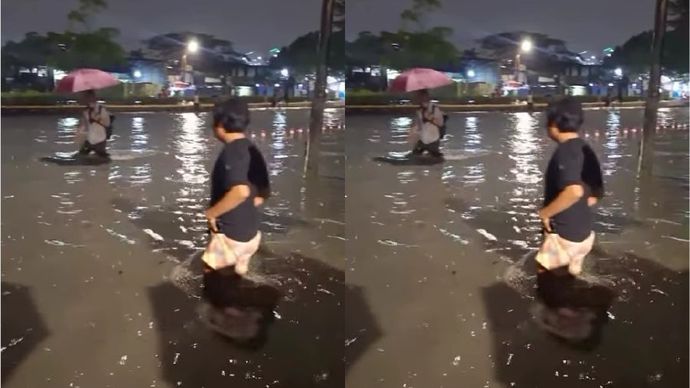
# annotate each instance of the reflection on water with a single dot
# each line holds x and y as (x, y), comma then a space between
(420, 239)
(472, 141)
(191, 149)
(95, 235)
(278, 144)
(612, 143)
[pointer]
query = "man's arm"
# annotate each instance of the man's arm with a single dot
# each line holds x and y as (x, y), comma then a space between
(565, 199)
(232, 198)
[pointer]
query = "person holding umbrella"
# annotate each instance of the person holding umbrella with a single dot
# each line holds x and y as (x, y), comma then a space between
(94, 126)
(430, 120)
(431, 126)
(96, 122)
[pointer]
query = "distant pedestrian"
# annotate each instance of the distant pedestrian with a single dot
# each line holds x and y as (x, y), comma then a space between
(95, 125)
(430, 126)
(196, 102)
(530, 102)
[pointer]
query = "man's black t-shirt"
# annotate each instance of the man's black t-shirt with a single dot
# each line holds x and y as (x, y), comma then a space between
(567, 167)
(232, 169)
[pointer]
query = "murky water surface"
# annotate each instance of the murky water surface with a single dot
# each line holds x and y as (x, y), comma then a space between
(444, 254)
(99, 276)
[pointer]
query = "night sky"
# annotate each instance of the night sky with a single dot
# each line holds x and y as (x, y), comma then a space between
(258, 25)
(583, 24)
(253, 25)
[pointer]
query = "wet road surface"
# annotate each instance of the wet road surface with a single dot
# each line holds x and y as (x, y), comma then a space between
(100, 274)
(443, 254)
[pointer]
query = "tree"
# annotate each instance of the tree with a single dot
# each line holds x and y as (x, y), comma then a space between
(97, 49)
(635, 55)
(646, 156)
(84, 12)
(403, 49)
(313, 149)
(66, 51)
(678, 15)
(430, 48)
(367, 49)
(302, 54)
(34, 50)
(416, 14)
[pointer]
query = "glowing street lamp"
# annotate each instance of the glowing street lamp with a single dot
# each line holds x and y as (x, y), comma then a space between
(470, 73)
(618, 72)
(525, 47)
(192, 46)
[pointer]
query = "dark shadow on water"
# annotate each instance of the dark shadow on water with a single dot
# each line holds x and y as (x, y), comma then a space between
(75, 161)
(240, 308)
(361, 327)
(643, 344)
(23, 328)
(298, 345)
(409, 160)
(571, 309)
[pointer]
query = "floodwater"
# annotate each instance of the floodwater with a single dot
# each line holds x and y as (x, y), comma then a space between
(100, 280)
(444, 254)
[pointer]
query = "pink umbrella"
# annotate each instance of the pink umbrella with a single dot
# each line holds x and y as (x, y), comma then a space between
(419, 78)
(85, 79)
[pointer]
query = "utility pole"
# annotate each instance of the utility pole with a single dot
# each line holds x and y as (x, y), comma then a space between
(645, 163)
(318, 104)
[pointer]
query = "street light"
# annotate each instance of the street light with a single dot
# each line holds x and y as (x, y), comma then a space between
(192, 47)
(525, 47)
(618, 72)
(137, 74)
(470, 73)
(285, 73)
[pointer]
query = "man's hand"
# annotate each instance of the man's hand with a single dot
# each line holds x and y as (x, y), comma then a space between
(545, 220)
(258, 201)
(591, 201)
(211, 221)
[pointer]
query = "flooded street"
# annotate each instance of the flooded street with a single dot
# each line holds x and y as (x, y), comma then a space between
(444, 255)
(100, 272)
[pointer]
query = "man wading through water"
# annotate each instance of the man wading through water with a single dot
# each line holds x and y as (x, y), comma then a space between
(95, 124)
(430, 124)
(239, 184)
(573, 185)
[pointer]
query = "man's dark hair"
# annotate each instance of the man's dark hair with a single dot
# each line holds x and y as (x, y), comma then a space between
(565, 114)
(231, 114)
